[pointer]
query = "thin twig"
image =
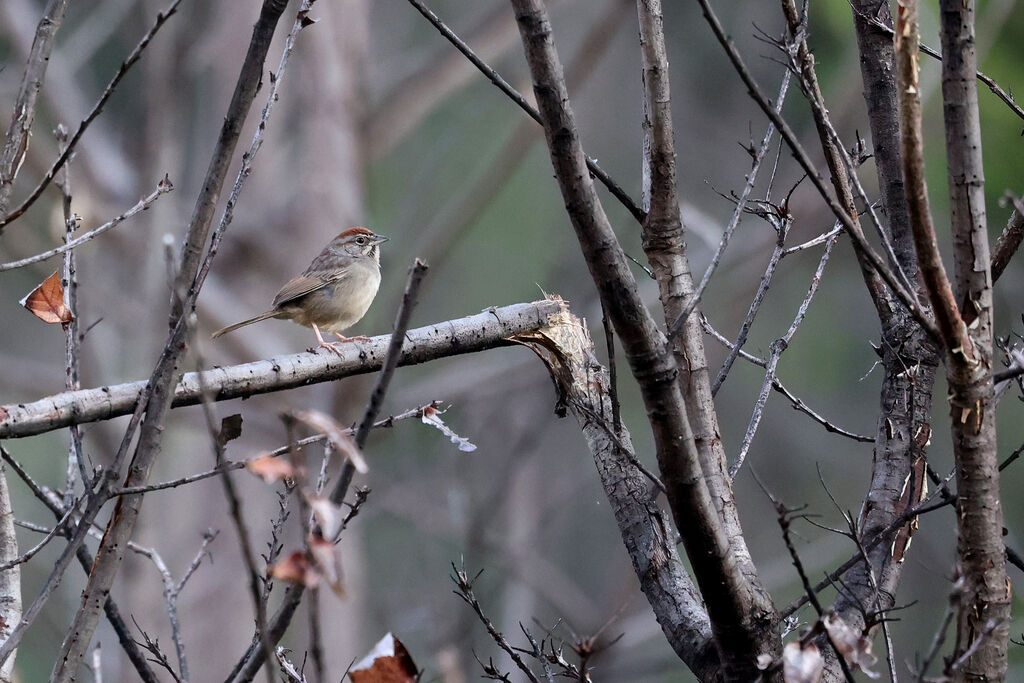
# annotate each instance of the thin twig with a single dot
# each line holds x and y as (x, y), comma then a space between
(875, 262)
(31, 552)
(734, 221)
(412, 287)
(173, 589)
(952, 608)
(72, 337)
(927, 505)
(464, 589)
(231, 465)
(218, 439)
(161, 18)
(163, 187)
(778, 347)
(784, 520)
(781, 225)
(797, 402)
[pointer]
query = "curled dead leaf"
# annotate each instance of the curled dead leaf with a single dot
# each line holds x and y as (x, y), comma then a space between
(270, 468)
(387, 662)
(327, 560)
(46, 301)
(230, 429)
(431, 417)
(852, 644)
(328, 515)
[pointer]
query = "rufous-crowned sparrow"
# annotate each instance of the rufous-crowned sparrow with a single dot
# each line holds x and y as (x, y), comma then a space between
(334, 292)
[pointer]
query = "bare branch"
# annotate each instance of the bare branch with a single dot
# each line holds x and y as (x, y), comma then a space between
(1009, 240)
(778, 347)
(16, 140)
(161, 18)
(163, 187)
(872, 258)
(10, 580)
(734, 221)
(953, 331)
(230, 466)
(733, 594)
(444, 339)
(584, 388)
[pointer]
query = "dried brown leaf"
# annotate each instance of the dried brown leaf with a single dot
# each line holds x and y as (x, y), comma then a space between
(802, 664)
(431, 416)
(328, 515)
(270, 468)
(230, 429)
(295, 568)
(387, 662)
(46, 301)
(852, 644)
(327, 560)
(336, 434)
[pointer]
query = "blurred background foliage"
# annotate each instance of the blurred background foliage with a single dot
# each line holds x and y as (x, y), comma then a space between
(381, 123)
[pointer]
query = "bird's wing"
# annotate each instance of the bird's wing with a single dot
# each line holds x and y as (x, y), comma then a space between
(310, 281)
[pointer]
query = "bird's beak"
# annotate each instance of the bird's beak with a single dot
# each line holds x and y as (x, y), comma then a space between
(380, 239)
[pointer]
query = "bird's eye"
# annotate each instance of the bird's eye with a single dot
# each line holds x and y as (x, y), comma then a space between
(360, 240)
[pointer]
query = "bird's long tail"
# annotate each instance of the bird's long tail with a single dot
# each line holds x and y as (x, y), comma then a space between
(250, 321)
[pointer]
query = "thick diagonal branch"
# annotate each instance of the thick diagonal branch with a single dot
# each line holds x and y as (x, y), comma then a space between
(583, 387)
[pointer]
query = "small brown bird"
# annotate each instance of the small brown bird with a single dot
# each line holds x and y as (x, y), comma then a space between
(334, 292)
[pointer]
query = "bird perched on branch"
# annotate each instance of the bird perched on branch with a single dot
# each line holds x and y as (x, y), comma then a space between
(334, 292)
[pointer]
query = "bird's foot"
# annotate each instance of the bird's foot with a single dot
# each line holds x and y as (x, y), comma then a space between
(344, 339)
(333, 347)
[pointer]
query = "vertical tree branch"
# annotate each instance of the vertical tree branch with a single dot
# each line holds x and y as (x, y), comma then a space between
(11, 157)
(985, 610)
(909, 357)
(664, 246)
(10, 579)
(16, 142)
(736, 611)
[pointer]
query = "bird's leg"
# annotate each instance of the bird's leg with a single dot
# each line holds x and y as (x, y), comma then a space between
(331, 346)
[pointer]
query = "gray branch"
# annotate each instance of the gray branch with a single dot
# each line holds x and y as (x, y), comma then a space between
(478, 332)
